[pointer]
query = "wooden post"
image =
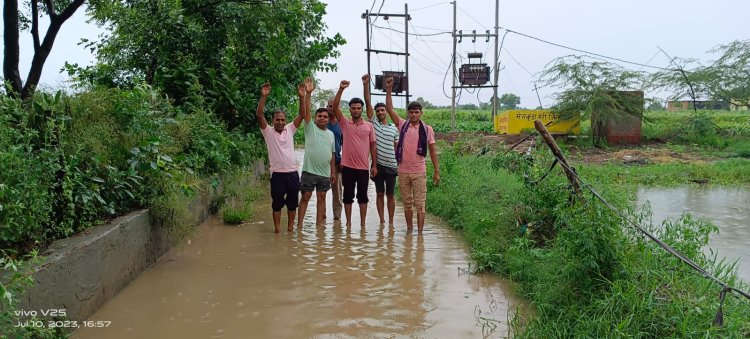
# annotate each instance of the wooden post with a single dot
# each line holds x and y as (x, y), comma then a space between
(556, 151)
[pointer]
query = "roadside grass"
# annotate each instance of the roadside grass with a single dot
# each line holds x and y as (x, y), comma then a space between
(239, 191)
(734, 171)
(585, 271)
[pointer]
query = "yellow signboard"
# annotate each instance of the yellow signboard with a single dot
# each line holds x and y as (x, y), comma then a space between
(515, 121)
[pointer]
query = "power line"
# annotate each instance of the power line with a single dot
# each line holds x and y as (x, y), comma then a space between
(426, 45)
(380, 8)
(519, 64)
(472, 18)
(427, 28)
(425, 7)
(587, 52)
(402, 32)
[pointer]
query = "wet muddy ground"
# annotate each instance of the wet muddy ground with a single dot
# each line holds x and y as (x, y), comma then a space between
(247, 282)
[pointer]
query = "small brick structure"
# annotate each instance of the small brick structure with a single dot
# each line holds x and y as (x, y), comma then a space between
(624, 128)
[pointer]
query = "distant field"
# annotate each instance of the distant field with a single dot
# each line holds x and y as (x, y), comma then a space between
(661, 125)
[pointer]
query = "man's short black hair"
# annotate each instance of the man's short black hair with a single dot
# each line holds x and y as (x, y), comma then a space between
(414, 105)
(323, 109)
(380, 104)
(356, 101)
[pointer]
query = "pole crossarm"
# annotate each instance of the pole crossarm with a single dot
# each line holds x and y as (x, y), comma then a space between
(482, 86)
(407, 16)
(384, 52)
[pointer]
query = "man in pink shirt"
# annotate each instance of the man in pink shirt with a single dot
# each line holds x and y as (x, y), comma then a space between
(359, 146)
(415, 138)
(280, 142)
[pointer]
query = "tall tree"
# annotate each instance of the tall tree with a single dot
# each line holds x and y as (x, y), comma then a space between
(726, 78)
(595, 89)
(57, 11)
(509, 101)
(218, 51)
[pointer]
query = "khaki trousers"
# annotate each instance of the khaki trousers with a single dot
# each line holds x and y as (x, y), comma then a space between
(413, 189)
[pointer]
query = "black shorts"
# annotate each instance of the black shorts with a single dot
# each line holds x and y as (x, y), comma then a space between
(385, 181)
(354, 178)
(284, 190)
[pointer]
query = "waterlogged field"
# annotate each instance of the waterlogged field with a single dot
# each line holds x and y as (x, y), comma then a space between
(577, 259)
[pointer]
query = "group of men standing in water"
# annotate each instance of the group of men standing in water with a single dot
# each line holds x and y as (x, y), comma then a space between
(347, 153)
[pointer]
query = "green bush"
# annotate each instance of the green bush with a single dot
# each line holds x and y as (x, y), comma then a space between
(586, 271)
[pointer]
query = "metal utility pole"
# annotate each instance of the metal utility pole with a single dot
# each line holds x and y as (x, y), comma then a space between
(453, 86)
(368, 26)
(497, 63)
(459, 35)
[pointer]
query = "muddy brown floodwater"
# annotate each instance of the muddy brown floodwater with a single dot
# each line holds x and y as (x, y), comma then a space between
(247, 282)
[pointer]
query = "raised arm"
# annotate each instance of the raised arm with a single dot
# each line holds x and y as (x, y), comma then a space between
(389, 100)
(309, 88)
(368, 102)
(265, 90)
(301, 93)
(337, 100)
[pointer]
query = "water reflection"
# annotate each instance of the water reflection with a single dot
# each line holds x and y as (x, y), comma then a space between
(727, 208)
(243, 282)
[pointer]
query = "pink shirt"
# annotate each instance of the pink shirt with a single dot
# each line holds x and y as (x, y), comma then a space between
(281, 148)
(411, 162)
(357, 139)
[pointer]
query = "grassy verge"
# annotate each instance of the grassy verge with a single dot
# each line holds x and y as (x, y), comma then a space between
(240, 190)
(585, 272)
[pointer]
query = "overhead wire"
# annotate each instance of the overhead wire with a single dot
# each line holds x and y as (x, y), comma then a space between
(429, 68)
(472, 18)
(430, 6)
(417, 38)
(658, 241)
(587, 52)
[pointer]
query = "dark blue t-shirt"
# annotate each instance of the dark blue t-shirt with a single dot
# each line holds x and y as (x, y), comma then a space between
(338, 139)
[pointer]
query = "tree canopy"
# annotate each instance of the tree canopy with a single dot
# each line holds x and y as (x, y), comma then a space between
(15, 21)
(726, 78)
(509, 101)
(213, 51)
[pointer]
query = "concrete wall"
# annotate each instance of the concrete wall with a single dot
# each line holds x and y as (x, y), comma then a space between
(81, 273)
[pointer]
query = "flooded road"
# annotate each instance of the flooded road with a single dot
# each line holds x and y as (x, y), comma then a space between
(247, 282)
(727, 208)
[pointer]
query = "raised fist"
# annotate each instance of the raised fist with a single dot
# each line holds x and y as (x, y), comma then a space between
(366, 79)
(265, 89)
(389, 83)
(344, 84)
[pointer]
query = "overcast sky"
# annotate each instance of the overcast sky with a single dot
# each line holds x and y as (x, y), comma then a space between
(628, 30)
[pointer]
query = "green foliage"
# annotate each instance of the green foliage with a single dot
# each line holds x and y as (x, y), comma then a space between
(70, 162)
(425, 104)
(726, 78)
(711, 129)
(590, 274)
(236, 199)
(219, 52)
(596, 90)
(742, 149)
(509, 101)
(235, 217)
(15, 277)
